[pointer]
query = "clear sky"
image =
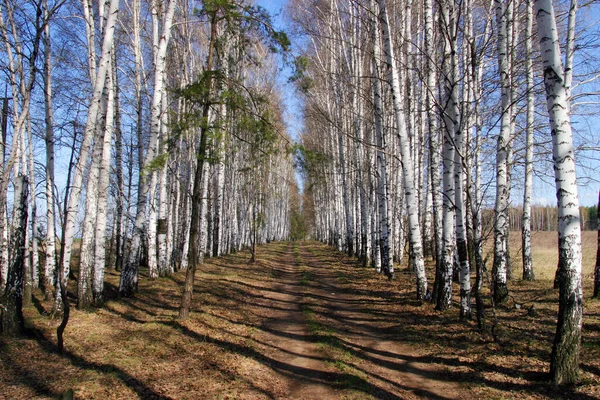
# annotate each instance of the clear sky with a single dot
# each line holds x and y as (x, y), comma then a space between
(292, 116)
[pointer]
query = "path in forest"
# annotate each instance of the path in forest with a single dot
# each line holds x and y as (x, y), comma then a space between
(352, 355)
(296, 356)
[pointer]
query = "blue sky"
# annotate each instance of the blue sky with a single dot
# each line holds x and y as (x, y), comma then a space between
(292, 116)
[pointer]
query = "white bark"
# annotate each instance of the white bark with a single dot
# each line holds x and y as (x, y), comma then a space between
(526, 219)
(103, 185)
(570, 49)
(88, 242)
(451, 124)
(129, 277)
(416, 243)
(163, 201)
(383, 228)
(50, 264)
(500, 289)
(460, 173)
(564, 366)
(90, 129)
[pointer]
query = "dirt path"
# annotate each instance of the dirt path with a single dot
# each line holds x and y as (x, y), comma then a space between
(296, 357)
(328, 343)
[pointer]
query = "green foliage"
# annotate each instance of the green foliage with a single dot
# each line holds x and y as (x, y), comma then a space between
(201, 92)
(157, 163)
(298, 226)
(309, 162)
(592, 213)
(300, 77)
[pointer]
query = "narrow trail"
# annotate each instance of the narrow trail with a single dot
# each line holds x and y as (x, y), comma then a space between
(329, 343)
(297, 358)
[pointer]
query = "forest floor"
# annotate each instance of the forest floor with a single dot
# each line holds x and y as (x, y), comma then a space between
(303, 322)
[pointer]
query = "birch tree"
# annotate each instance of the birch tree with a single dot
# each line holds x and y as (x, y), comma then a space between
(11, 313)
(450, 114)
(129, 275)
(50, 254)
(500, 287)
(416, 243)
(526, 219)
(564, 366)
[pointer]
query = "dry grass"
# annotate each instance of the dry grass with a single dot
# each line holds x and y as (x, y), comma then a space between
(545, 253)
(136, 348)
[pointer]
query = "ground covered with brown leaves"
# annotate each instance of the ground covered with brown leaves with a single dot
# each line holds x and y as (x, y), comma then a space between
(303, 322)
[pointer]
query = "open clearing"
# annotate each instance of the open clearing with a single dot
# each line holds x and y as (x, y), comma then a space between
(303, 322)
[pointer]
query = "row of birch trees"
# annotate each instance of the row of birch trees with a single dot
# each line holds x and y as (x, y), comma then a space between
(146, 134)
(421, 115)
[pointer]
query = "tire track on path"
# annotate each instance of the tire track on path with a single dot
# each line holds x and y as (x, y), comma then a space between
(296, 357)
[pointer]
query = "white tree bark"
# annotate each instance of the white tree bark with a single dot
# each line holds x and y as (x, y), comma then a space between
(50, 264)
(129, 276)
(564, 366)
(451, 124)
(383, 227)
(103, 186)
(90, 129)
(416, 244)
(528, 274)
(163, 236)
(500, 287)
(570, 49)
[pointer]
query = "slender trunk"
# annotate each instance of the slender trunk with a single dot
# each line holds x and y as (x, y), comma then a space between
(528, 274)
(120, 195)
(597, 268)
(570, 48)
(451, 124)
(11, 312)
(500, 287)
(103, 186)
(129, 275)
(50, 264)
(194, 255)
(32, 276)
(63, 273)
(381, 171)
(90, 129)
(564, 365)
(416, 244)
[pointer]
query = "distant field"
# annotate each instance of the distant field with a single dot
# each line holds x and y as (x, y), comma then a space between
(545, 253)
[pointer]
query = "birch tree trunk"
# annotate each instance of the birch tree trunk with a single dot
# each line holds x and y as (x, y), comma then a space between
(11, 312)
(416, 244)
(129, 275)
(90, 129)
(528, 274)
(50, 264)
(500, 287)
(103, 184)
(564, 365)
(87, 259)
(120, 227)
(383, 226)
(570, 48)
(450, 117)
(33, 257)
